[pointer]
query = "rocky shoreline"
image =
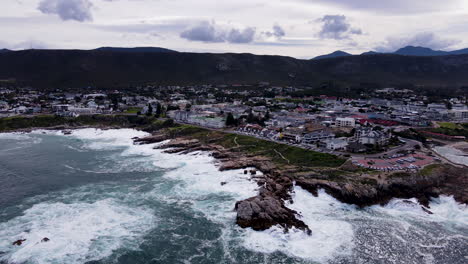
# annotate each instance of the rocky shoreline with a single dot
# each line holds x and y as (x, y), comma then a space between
(268, 208)
(347, 184)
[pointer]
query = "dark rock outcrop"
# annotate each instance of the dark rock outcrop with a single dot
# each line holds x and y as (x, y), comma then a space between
(447, 180)
(18, 242)
(267, 209)
(151, 139)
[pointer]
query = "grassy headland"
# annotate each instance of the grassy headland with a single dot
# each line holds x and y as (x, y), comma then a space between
(279, 153)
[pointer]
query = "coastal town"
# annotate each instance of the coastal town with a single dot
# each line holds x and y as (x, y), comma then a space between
(388, 129)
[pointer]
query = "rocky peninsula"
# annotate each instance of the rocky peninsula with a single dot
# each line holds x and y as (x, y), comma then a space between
(282, 166)
(345, 182)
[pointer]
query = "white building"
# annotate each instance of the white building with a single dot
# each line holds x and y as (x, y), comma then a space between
(372, 137)
(335, 144)
(460, 115)
(345, 122)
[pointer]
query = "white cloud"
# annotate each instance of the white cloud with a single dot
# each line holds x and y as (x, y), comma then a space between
(423, 39)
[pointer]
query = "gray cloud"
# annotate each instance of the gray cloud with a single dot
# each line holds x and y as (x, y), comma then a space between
(278, 32)
(423, 39)
(337, 27)
(210, 32)
(205, 32)
(79, 10)
(237, 36)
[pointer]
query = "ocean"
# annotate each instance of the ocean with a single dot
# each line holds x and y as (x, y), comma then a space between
(100, 199)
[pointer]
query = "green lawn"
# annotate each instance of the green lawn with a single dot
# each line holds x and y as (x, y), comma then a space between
(448, 125)
(296, 156)
(133, 110)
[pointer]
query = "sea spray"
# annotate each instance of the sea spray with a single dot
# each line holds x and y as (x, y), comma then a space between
(155, 206)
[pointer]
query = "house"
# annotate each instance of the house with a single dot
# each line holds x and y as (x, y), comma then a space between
(291, 135)
(4, 106)
(316, 136)
(461, 115)
(335, 144)
(371, 136)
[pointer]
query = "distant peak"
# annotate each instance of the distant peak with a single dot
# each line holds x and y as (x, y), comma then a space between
(419, 51)
(335, 54)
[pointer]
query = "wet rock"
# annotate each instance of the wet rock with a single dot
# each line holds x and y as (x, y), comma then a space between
(223, 183)
(263, 212)
(150, 139)
(426, 210)
(45, 239)
(18, 242)
(267, 209)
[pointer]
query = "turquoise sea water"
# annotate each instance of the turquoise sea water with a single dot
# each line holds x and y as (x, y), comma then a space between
(101, 199)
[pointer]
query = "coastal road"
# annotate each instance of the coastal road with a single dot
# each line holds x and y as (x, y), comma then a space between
(409, 145)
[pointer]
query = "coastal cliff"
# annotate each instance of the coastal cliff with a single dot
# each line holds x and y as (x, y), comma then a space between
(344, 181)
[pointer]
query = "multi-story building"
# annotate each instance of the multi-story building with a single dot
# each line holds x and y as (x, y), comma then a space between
(345, 122)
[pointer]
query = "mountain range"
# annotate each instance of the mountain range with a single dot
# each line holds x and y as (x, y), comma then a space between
(406, 51)
(121, 67)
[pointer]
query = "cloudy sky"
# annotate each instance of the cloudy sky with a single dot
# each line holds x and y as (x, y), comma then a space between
(298, 28)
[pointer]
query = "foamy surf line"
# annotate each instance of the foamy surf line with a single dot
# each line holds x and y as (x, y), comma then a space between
(74, 228)
(76, 232)
(334, 233)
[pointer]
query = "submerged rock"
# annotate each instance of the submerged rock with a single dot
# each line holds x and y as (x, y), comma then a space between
(18, 242)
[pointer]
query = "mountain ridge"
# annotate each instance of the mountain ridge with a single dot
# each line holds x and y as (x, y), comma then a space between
(91, 68)
(405, 51)
(134, 49)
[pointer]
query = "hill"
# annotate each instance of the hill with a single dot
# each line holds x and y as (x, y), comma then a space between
(335, 54)
(135, 50)
(405, 51)
(419, 51)
(113, 69)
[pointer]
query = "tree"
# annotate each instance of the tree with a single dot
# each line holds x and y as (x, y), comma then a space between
(230, 120)
(150, 110)
(448, 104)
(158, 110)
(251, 118)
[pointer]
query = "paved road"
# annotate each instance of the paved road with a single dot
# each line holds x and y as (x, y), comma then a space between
(409, 145)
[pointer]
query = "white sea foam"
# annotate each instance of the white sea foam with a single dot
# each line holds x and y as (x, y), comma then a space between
(330, 236)
(200, 180)
(97, 139)
(78, 232)
(444, 210)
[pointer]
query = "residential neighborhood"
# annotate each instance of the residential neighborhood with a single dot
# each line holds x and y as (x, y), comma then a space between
(365, 125)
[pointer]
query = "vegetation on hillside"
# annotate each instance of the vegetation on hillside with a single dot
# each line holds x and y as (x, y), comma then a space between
(280, 153)
(114, 69)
